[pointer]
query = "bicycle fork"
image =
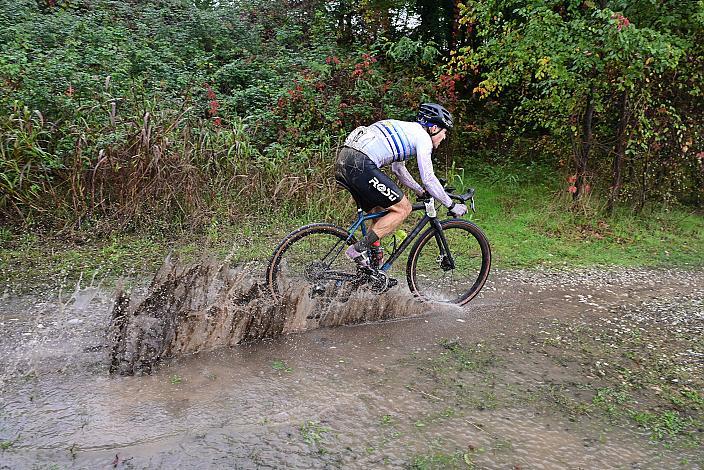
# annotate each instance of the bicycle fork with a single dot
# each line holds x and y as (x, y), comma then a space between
(447, 263)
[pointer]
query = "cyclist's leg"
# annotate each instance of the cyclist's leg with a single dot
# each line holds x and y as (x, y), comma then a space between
(391, 221)
(378, 192)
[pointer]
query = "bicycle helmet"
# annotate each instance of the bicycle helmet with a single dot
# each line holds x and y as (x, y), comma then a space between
(432, 114)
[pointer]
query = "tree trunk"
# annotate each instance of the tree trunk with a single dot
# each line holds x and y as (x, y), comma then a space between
(585, 148)
(428, 12)
(619, 152)
(643, 183)
(344, 24)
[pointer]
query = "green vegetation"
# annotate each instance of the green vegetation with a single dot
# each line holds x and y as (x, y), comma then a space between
(280, 366)
(4, 445)
(524, 223)
(131, 130)
(175, 115)
(439, 460)
(313, 434)
(594, 74)
(386, 420)
(527, 226)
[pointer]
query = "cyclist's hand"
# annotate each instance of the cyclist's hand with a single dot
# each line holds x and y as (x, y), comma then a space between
(458, 210)
(422, 196)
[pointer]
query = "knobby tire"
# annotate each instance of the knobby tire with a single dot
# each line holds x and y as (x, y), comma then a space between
(274, 275)
(472, 253)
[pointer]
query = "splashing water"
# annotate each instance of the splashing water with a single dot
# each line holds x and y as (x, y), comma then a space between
(206, 306)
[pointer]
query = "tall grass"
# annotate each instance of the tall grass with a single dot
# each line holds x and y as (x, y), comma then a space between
(105, 168)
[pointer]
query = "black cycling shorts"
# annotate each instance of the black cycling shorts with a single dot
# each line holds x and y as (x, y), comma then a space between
(371, 187)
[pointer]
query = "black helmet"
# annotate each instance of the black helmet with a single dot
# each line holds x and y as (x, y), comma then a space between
(430, 114)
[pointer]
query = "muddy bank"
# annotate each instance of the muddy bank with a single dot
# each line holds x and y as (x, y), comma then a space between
(206, 306)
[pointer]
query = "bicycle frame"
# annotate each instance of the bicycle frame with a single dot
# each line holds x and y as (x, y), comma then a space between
(362, 217)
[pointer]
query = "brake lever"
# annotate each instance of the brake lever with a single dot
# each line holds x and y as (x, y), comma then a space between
(469, 196)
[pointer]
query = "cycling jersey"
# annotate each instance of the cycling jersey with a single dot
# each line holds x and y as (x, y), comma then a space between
(394, 142)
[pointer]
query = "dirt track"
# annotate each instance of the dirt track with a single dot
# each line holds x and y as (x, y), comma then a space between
(578, 369)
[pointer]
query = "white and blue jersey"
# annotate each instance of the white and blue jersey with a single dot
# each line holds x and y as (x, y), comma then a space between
(394, 142)
(390, 141)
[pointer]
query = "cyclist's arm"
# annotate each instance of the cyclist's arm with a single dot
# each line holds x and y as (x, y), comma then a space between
(430, 181)
(405, 177)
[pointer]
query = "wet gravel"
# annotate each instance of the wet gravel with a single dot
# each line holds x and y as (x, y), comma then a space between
(235, 408)
(600, 277)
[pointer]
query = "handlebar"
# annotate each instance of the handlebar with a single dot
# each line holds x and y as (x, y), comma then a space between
(462, 197)
(468, 196)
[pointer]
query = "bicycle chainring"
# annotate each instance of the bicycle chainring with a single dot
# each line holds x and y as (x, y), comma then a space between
(379, 282)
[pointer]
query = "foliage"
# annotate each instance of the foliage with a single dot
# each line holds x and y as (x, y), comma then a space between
(569, 68)
(124, 114)
(110, 105)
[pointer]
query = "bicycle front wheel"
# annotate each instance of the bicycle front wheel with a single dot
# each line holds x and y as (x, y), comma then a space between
(313, 257)
(454, 275)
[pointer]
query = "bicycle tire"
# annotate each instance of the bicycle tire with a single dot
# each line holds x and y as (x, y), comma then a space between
(280, 274)
(471, 251)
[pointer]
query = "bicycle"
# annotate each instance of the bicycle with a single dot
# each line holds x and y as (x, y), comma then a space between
(313, 255)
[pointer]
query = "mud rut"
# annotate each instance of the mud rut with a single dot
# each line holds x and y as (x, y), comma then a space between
(205, 306)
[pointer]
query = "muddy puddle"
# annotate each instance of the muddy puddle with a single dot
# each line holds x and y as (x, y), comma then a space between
(508, 382)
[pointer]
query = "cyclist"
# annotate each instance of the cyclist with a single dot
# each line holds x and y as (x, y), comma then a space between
(367, 149)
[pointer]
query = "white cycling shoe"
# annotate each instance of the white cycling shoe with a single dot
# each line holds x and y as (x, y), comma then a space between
(361, 259)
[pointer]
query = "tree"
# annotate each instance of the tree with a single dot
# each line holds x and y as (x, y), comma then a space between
(566, 64)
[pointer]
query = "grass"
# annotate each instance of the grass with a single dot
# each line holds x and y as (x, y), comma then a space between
(30, 261)
(528, 222)
(280, 366)
(667, 423)
(313, 433)
(442, 460)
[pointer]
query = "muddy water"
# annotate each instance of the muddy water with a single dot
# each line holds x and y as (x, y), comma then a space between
(205, 306)
(365, 396)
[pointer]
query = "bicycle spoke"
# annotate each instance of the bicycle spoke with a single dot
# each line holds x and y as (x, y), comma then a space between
(312, 257)
(432, 277)
(342, 245)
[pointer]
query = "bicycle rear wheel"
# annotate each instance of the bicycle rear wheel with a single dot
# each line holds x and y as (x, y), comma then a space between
(312, 256)
(454, 277)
